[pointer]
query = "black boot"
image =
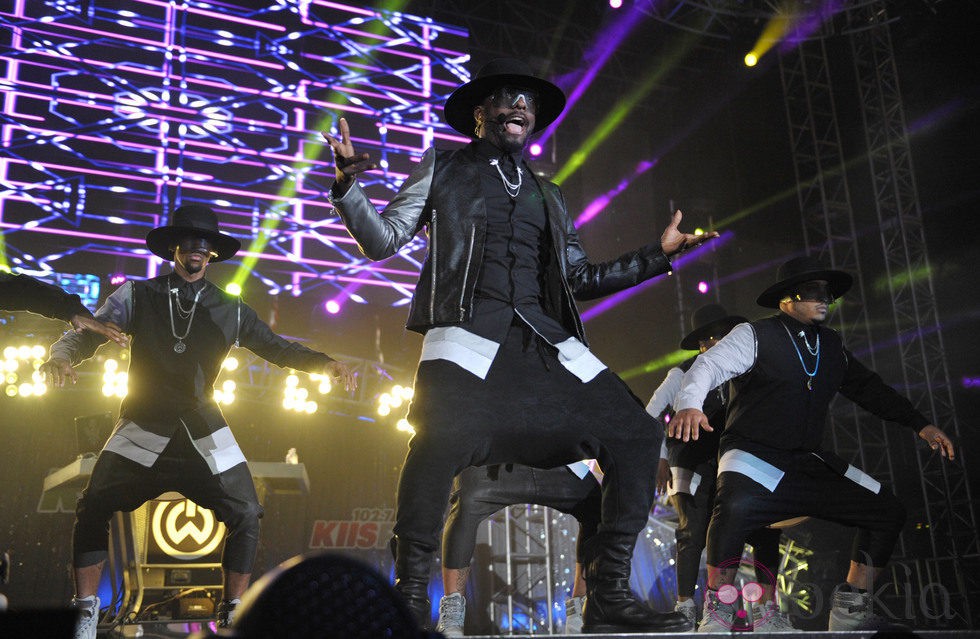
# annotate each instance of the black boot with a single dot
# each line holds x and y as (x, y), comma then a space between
(412, 564)
(610, 605)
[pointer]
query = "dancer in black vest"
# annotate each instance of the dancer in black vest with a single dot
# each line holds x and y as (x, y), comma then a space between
(505, 373)
(785, 370)
(691, 470)
(171, 435)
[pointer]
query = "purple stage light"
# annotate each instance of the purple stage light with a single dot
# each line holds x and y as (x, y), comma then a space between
(536, 149)
(332, 307)
(117, 279)
(703, 287)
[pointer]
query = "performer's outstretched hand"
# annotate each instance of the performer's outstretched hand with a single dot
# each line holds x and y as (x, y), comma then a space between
(664, 478)
(58, 371)
(341, 373)
(109, 330)
(938, 440)
(673, 241)
(346, 163)
(687, 423)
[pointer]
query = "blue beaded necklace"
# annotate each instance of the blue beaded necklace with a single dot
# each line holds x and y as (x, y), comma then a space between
(815, 351)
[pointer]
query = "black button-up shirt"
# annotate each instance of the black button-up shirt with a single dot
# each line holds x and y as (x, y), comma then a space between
(514, 254)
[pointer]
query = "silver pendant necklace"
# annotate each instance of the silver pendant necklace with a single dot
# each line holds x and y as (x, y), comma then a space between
(511, 188)
(179, 345)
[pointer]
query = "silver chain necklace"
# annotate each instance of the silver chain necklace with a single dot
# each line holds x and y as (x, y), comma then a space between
(511, 188)
(816, 365)
(179, 345)
(813, 349)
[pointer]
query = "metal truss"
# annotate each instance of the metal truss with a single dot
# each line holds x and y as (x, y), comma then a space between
(955, 556)
(522, 602)
(830, 234)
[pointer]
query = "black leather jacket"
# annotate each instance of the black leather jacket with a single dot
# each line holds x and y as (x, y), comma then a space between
(443, 194)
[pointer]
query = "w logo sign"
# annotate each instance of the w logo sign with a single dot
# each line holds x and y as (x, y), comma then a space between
(184, 531)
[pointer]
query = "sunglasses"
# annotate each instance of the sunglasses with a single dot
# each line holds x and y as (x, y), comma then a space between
(191, 244)
(508, 97)
(812, 292)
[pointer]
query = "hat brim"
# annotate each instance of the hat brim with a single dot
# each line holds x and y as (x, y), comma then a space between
(838, 282)
(717, 328)
(160, 239)
(459, 106)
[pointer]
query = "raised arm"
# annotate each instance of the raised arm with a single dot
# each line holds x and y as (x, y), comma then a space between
(378, 235)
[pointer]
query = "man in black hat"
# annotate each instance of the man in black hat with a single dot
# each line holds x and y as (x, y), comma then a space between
(171, 435)
(691, 468)
(785, 370)
(25, 293)
(505, 373)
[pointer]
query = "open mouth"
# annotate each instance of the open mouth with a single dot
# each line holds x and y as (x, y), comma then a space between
(515, 125)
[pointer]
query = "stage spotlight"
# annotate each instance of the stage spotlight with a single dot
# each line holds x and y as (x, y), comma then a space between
(384, 410)
(403, 425)
(117, 279)
(11, 390)
(751, 59)
(699, 231)
(536, 149)
(615, 4)
(234, 288)
(115, 382)
(230, 363)
(332, 307)
(703, 287)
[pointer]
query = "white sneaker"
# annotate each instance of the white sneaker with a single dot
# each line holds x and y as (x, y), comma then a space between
(717, 616)
(690, 611)
(852, 611)
(573, 615)
(88, 616)
(769, 618)
(452, 613)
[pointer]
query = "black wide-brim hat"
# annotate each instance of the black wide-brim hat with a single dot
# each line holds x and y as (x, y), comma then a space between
(193, 220)
(804, 269)
(497, 73)
(710, 320)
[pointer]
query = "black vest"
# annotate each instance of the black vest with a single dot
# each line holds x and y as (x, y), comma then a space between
(165, 386)
(770, 405)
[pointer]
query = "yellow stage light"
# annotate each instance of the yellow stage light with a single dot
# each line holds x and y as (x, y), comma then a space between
(230, 363)
(384, 410)
(234, 288)
(751, 59)
(11, 390)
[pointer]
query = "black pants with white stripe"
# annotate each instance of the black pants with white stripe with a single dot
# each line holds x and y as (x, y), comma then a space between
(120, 484)
(529, 410)
(809, 487)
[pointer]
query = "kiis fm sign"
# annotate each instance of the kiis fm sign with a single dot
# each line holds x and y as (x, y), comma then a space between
(368, 528)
